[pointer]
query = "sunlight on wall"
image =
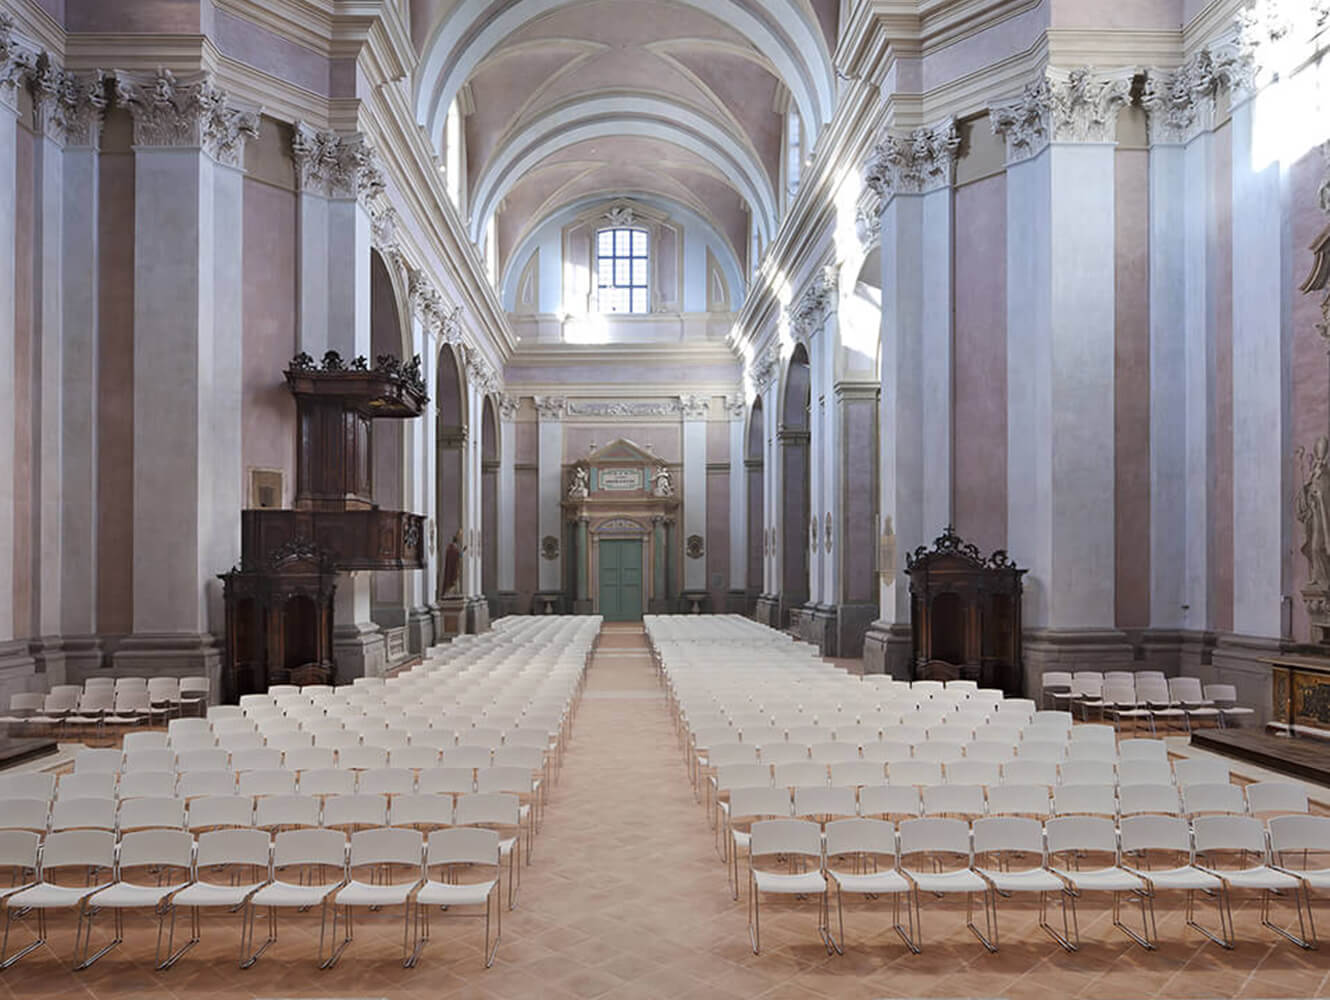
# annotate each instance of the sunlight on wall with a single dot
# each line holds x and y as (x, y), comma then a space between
(590, 328)
(1290, 118)
(859, 315)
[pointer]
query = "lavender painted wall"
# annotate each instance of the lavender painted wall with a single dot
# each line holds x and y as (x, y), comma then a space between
(718, 536)
(1310, 404)
(246, 42)
(158, 17)
(526, 543)
(268, 434)
(718, 442)
(666, 440)
(115, 381)
(980, 420)
(1132, 389)
(26, 394)
(1221, 540)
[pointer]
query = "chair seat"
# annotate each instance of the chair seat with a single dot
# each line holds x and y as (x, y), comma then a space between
(1259, 877)
(1102, 879)
(127, 895)
(1029, 880)
(434, 893)
(356, 893)
(45, 896)
(873, 882)
(807, 882)
(1183, 877)
(964, 880)
(287, 894)
(207, 894)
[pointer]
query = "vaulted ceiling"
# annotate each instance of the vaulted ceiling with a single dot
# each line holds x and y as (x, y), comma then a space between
(679, 99)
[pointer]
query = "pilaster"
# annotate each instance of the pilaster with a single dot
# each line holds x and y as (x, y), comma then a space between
(736, 598)
(549, 478)
(694, 412)
(507, 573)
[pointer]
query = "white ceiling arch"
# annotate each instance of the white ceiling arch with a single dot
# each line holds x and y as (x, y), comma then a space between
(780, 30)
(607, 116)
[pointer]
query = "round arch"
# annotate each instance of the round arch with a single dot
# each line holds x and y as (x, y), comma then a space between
(450, 415)
(795, 468)
(489, 504)
(754, 479)
(389, 334)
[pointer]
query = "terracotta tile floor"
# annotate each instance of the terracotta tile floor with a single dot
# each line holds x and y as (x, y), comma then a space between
(627, 899)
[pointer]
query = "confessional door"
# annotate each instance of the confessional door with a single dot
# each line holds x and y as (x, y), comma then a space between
(620, 579)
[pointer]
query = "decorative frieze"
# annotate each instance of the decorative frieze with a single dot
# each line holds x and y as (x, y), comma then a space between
(550, 407)
(622, 408)
(508, 406)
(693, 407)
(383, 231)
(1180, 104)
(480, 371)
(818, 300)
(922, 161)
(1079, 105)
(189, 111)
(335, 165)
(69, 108)
(735, 407)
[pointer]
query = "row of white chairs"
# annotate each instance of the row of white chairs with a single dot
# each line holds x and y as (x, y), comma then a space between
(90, 871)
(102, 701)
(998, 857)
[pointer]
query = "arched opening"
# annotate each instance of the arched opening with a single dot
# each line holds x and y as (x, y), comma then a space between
(388, 335)
(753, 471)
(794, 437)
(450, 464)
(489, 506)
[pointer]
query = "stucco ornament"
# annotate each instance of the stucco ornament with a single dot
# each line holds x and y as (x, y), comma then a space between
(663, 487)
(580, 488)
(1312, 507)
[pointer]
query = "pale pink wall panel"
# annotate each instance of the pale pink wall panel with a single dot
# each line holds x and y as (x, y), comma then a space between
(25, 391)
(662, 439)
(718, 537)
(269, 414)
(115, 404)
(1132, 388)
(526, 544)
(980, 418)
(163, 17)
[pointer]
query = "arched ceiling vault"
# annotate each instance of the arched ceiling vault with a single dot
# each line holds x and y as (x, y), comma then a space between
(685, 99)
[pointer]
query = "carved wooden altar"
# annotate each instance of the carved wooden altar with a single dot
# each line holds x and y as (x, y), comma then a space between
(279, 599)
(965, 614)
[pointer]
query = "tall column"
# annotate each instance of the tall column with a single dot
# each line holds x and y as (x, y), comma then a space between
(481, 381)
(188, 296)
(507, 574)
(694, 409)
(74, 107)
(583, 606)
(337, 174)
(1261, 366)
(763, 370)
(549, 477)
(15, 59)
(736, 599)
(1183, 319)
(419, 435)
(935, 359)
(658, 603)
(1061, 354)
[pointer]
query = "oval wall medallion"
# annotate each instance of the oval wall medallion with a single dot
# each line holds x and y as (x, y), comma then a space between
(694, 547)
(549, 547)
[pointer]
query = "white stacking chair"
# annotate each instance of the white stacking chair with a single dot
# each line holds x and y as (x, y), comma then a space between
(1217, 840)
(954, 800)
(1223, 798)
(309, 759)
(30, 815)
(973, 772)
(215, 812)
(256, 759)
(1144, 839)
(450, 853)
(318, 858)
(496, 811)
(914, 772)
(220, 713)
(20, 852)
(82, 814)
(929, 851)
(861, 858)
(1200, 771)
(1087, 772)
(1269, 798)
(1225, 698)
(70, 861)
(1085, 800)
(150, 813)
(1003, 849)
(98, 761)
(29, 785)
(389, 781)
(1300, 846)
(1092, 750)
(996, 751)
(275, 781)
(421, 811)
(747, 806)
(414, 757)
(1046, 750)
(1160, 799)
(150, 783)
(192, 784)
(151, 865)
(352, 813)
(1030, 772)
(1187, 692)
(286, 812)
(799, 844)
(389, 863)
(1144, 772)
(134, 742)
(449, 781)
(202, 759)
(1019, 800)
(1074, 844)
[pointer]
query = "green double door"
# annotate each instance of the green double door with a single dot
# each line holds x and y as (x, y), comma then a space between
(621, 580)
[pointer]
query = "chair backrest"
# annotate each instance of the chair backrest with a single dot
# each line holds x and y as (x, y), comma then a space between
(997, 751)
(220, 811)
(789, 837)
(1024, 800)
(29, 785)
(504, 779)
(819, 800)
(484, 808)
(743, 776)
(203, 759)
(800, 773)
(941, 751)
(446, 781)
(857, 772)
(148, 812)
(765, 802)
(1134, 799)
(958, 800)
(420, 810)
(388, 846)
(861, 836)
(1082, 833)
(1154, 833)
(1088, 772)
(1267, 797)
(355, 810)
(1229, 833)
(308, 759)
(934, 835)
(1140, 749)
(783, 753)
(1037, 749)
(1221, 797)
(143, 741)
(309, 847)
(286, 810)
(1200, 771)
(1030, 772)
(1094, 800)
(87, 849)
(462, 845)
(1299, 833)
(274, 781)
(193, 783)
(1144, 772)
(140, 783)
(79, 814)
(256, 759)
(19, 855)
(387, 781)
(1008, 835)
(467, 756)
(1224, 694)
(97, 761)
(914, 772)
(158, 848)
(973, 772)
(233, 847)
(24, 813)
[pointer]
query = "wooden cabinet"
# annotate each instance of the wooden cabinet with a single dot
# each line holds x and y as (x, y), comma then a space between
(965, 614)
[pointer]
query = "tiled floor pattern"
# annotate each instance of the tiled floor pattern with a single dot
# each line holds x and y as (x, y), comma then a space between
(627, 899)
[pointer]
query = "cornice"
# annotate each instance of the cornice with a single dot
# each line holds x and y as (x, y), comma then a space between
(32, 22)
(577, 355)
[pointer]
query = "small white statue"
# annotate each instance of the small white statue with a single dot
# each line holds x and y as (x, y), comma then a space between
(664, 488)
(581, 485)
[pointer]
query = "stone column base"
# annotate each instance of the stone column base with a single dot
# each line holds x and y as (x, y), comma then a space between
(48, 656)
(359, 651)
(852, 622)
(815, 623)
(506, 603)
(477, 615)
(887, 648)
(85, 656)
(452, 618)
(419, 630)
(1073, 649)
(736, 602)
(767, 610)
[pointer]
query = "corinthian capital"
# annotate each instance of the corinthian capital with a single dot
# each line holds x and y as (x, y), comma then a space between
(1181, 104)
(69, 108)
(1079, 105)
(921, 161)
(1023, 122)
(193, 111)
(18, 62)
(809, 313)
(335, 165)
(550, 407)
